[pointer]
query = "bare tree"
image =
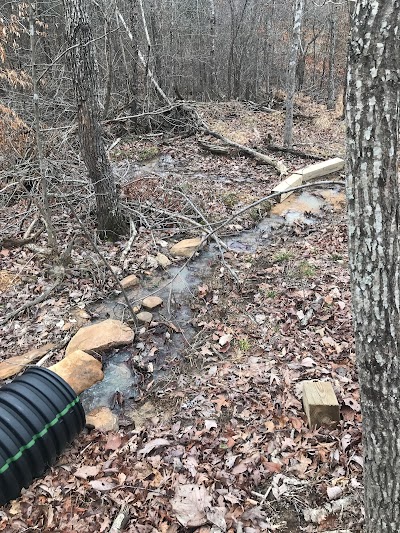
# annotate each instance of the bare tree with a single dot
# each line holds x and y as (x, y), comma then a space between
(374, 226)
(43, 204)
(110, 221)
(291, 78)
(332, 53)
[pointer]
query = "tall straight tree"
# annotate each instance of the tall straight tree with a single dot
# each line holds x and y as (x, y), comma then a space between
(374, 226)
(84, 70)
(291, 76)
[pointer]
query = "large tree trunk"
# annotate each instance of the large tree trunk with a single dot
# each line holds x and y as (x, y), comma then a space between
(83, 65)
(374, 219)
(291, 77)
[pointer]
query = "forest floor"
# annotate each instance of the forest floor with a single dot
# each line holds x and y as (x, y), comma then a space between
(220, 443)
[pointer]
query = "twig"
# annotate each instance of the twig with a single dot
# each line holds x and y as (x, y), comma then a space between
(130, 242)
(262, 497)
(160, 111)
(31, 226)
(14, 243)
(98, 252)
(45, 358)
(37, 300)
(218, 241)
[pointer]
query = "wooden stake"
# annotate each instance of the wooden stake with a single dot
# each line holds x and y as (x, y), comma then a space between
(320, 404)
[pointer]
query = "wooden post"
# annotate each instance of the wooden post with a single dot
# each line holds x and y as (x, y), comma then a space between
(320, 404)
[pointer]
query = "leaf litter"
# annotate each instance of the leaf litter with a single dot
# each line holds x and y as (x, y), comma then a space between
(225, 445)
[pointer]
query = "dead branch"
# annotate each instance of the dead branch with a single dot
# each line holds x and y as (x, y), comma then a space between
(258, 156)
(38, 300)
(160, 111)
(214, 148)
(149, 73)
(98, 252)
(15, 243)
(305, 155)
(230, 219)
(221, 245)
(133, 232)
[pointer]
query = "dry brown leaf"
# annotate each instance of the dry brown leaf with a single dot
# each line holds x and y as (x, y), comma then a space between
(113, 442)
(153, 444)
(103, 484)
(85, 472)
(190, 503)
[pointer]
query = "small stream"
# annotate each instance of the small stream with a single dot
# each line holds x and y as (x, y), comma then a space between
(157, 349)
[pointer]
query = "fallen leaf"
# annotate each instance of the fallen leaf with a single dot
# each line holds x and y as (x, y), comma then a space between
(346, 439)
(189, 505)
(220, 402)
(308, 362)
(15, 508)
(87, 471)
(352, 403)
(153, 444)
(209, 424)
(113, 442)
(357, 459)
(102, 485)
(272, 467)
(334, 493)
(216, 515)
(240, 468)
(225, 339)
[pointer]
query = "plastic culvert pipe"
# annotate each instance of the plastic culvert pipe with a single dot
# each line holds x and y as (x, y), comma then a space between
(40, 414)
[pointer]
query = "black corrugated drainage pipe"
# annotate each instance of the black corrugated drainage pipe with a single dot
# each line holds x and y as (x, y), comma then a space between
(40, 415)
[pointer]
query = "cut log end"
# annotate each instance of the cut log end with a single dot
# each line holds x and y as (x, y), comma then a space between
(320, 404)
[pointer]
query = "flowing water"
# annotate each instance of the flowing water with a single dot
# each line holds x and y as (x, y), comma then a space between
(156, 350)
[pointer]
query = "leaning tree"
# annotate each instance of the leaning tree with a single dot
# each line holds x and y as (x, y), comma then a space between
(82, 59)
(374, 224)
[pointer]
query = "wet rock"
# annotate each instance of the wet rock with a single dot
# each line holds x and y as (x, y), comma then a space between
(144, 317)
(151, 302)
(80, 370)
(103, 419)
(101, 336)
(130, 281)
(185, 248)
(163, 260)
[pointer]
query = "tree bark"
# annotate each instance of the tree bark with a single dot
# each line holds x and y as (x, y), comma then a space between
(291, 78)
(110, 221)
(374, 215)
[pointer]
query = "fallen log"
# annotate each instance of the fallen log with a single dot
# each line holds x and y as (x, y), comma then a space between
(258, 156)
(214, 148)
